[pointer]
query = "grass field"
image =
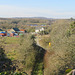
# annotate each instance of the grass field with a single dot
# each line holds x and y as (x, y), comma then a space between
(12, 40)
(10, 46)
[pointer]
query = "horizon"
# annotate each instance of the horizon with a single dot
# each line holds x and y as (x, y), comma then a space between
(32, 18)
(47, 8)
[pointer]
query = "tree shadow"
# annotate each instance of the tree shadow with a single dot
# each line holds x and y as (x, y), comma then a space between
(5, 63)
(39, 59)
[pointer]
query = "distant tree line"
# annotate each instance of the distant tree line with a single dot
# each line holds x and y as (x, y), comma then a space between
(22, 23)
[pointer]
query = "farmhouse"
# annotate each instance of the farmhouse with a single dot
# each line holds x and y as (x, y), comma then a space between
(13, 30)
(39, 29)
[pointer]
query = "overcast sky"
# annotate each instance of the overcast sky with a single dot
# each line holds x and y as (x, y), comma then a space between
(37, 8)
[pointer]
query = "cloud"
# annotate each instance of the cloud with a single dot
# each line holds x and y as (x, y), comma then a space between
(14, 11)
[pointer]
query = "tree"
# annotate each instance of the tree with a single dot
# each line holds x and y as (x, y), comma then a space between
(26, 51)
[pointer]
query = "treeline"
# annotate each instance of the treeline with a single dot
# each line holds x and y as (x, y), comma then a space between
(7, 23)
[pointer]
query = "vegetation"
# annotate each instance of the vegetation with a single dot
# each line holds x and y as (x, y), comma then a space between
(12, 73)
(62, 50)
(21, 52)
(26, 51)
(24, 23)
(22, 56)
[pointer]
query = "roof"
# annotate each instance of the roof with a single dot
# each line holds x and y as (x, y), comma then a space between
(16, 29)
(1, 33)
(20, 34)
(22, 30)
(1, 30)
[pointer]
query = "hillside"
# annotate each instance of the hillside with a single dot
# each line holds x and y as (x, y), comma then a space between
(61, 54)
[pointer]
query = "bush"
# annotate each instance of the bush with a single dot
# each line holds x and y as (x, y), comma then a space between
(68, 70)
(12, 73)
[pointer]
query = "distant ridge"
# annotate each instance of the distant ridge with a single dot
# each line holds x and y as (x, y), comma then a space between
(25, 17)
(35, 17)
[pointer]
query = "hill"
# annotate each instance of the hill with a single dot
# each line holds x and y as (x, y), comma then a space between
(61, 54)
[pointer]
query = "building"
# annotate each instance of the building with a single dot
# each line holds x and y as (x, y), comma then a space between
(39, 29)
(1, 30)
(13, 30)
(2, 33)
(22, 30)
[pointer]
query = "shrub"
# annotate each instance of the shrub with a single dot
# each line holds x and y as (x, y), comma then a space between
(68, 70)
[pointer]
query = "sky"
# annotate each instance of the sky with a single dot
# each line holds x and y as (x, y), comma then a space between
(37, 8)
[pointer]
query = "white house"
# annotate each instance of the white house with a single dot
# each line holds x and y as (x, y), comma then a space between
(39, 29)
